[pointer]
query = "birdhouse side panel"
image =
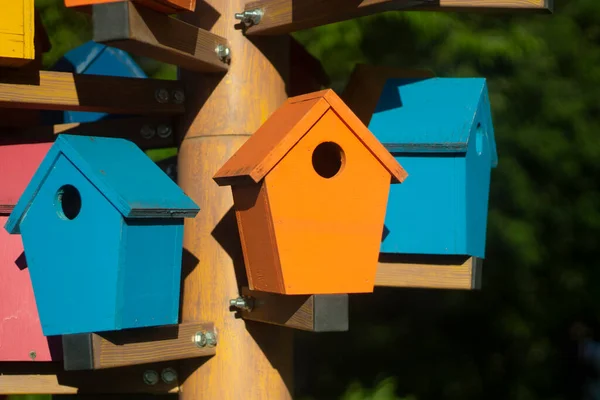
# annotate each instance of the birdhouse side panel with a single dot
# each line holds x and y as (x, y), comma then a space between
(477, 188)
(425, 214)
(72, 236)
(327, 199)
(257, 236)
(150, 278)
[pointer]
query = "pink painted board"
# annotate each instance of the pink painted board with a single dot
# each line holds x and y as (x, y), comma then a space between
(20, 329)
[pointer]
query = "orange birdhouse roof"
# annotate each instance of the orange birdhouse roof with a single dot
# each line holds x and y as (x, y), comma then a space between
(286, 127)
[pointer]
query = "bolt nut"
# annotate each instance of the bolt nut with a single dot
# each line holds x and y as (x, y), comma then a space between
(200, 339)
(211, 338)
(150, 377)
(242, 303)
(223, 52)
(162, 96)
(178, 96)
(148, 131)
(250, 17)
(168, 375)
(164, 131)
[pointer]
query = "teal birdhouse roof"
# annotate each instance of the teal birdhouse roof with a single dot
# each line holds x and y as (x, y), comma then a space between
(433, 115)
(120, 170)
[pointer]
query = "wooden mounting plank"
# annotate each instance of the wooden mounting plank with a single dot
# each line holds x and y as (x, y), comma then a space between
(315, 313)
(44, 90)
(163, 6)
(50, 378)
(432, 272)
(144, 32)
(88, 351)
(143, 131)
(285, 16)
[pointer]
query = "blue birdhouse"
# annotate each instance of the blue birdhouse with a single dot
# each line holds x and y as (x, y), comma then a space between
(440, 130)
(102, 228)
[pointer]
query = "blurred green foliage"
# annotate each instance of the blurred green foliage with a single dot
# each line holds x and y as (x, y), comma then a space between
(512, 339)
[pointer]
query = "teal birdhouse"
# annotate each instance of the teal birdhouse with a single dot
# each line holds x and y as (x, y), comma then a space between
(102, 229)
(441, 131)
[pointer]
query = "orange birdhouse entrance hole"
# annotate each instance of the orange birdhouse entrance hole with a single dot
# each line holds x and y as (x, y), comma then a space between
(310, 190)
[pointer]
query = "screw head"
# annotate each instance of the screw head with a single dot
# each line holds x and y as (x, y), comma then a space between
(223, 52)
(148, 131)
(162, 95)
(32, 355)
(242, 303)
(211, 338)
(168, 375)
(150, 377)
(200, 339)
(164, 131)
(178, 96)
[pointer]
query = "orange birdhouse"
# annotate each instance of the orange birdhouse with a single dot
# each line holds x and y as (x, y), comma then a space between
(310, 190)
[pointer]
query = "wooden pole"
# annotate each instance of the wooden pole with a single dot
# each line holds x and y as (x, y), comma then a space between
(253, 360)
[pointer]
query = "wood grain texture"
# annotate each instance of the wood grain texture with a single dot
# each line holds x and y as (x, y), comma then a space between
(254, 361)
(45, 90)
(163, 6)
(144, 32)
(314, 313)
(431, 273)
(138, 346)
(132, 129)
(285, 16)
(50, 378)
(17, 34)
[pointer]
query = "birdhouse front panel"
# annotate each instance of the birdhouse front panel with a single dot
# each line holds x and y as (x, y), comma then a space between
(72, 239)
(327, 199)
(17, 34)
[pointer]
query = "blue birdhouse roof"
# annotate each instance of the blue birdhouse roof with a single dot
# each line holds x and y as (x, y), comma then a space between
(432, 115)
(128, 179)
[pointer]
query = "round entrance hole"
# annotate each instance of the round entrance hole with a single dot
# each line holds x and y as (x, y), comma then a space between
(68, 202)
(328, 159)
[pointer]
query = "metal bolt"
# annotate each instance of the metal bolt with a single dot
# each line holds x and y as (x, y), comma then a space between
(32, 355)
(162, 95)
(148, 131)
(168, 375)
(164, 131)
(242, 303)
(150, 377)
(200, 339)
(223, 52)
(178, 96)
(250, 17)
(211, 339)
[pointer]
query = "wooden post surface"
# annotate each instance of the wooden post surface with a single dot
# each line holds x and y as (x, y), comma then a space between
(254, 360)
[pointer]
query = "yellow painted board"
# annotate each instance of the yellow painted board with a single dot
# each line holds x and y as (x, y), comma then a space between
(16, 32)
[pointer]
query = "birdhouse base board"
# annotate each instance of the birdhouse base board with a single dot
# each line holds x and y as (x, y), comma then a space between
(89, 351)
(314, 313)
(430, 272)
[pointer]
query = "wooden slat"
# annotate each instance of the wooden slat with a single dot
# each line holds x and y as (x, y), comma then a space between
(144, 32)
(132, 129)
(315, 313)
(134, 346)
(432, 272)
(50, 378)
(46, 90)
(285, 16)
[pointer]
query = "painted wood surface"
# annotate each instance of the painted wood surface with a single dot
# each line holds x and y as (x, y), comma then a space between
(133, 347)
(285, 16)
(314, 313)
(462, 273)
(17, 34)
(222, 113)
(144, 32)
(114, 272)
(50, 378)
(164, 6)
(46, 90)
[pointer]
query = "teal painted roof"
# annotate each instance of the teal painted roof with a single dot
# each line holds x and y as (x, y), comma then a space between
(120, 170)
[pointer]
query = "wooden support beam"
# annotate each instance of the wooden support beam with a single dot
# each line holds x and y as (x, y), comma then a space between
(285, 16)
(50, 378)
(89, 351)
(144, 32)
(315, 313)
(431, 272)
(146, 132)
(45, 90)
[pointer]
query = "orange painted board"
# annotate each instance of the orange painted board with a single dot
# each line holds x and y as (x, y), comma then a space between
(164, 6)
